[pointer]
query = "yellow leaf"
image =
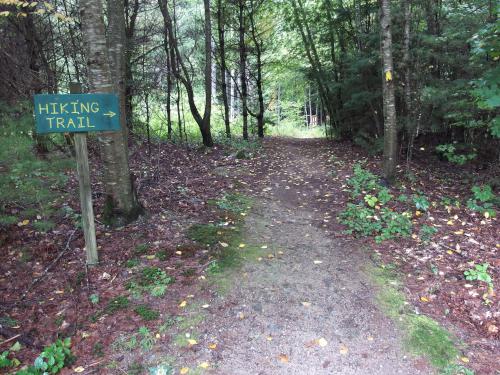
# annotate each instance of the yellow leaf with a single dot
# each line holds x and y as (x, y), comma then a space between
(79, 369)
(24, 222)
(343, 349)
(465, 359)
(150, 257)
(322, 342)
(388, 75)
(424, 299)
(418, 213)
(184, 370)
(459, 232)
(223, 244)
(450, 222)
(212, 346)
(192, 341)
(242, 245)
(4, 13)
(263, 247)
(449, 252)
(204, 365)
(283, 358)
(183, 304)
(486, 214)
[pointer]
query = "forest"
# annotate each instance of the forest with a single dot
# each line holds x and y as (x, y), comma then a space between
(249, 187)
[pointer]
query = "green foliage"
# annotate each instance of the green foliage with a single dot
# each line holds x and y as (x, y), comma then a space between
(480, 273)
(383, 224)
(131, 263)
(421, 202)
(483, 200)
(234, 202)
(94, 298)
(28, 185)
(6, 362)
(427, 338)
(52, 359)
(207, 234)
(147, 340)
(449, 151)
(362, 180)
(146, 313)
(454, 369)
(152, 280)
(141, 248)
(116, 304)
(427, 232)
(370, 200)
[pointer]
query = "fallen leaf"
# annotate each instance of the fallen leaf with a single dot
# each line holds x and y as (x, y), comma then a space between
(343, 349)
(223, 244)
(465, 359)
(317, 261)
(424, 299)
(183, 304)
(212, 346)
(204, 365)
(184, 370)
(242, 245)
(206, 306)
(263, 247)
(79, 369)
(322, 342)
(192, 342)
(306, 304)
(283, 358)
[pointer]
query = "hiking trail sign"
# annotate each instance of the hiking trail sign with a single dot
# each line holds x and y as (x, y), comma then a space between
(71, 113)
(79, 113)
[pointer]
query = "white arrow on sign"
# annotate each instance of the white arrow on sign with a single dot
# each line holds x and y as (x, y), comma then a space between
(110, 114)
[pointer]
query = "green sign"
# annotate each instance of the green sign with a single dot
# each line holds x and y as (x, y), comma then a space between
(69, 113)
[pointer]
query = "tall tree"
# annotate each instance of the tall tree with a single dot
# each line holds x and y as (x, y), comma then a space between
(221, 28)
(121, 201)
(181, 71)
(258, 47)
(390, 125)
(243, 67)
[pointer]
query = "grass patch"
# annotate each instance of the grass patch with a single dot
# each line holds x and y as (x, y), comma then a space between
(146, 312)
(427, 338)
(116, 304)
(141, 249)
(423, 336)
(206, 234)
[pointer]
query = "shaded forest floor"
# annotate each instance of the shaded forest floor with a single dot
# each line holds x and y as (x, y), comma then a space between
(256, 268)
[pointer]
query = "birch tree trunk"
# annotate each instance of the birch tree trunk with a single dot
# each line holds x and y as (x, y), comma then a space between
(122, 205)
(390, 125)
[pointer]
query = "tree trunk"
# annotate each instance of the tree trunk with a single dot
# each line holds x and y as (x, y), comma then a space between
(183, 74)
(258, 56)
(390, 125)
(122, 205)
(223, 68)
(410, 121)
(243, 76)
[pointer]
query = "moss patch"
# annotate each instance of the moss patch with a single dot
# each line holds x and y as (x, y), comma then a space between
(423, 335)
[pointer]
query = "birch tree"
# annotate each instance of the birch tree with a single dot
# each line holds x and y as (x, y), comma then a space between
(389, 105)
(121, 201)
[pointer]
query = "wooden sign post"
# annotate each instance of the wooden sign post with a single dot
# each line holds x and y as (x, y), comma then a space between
(79, 113)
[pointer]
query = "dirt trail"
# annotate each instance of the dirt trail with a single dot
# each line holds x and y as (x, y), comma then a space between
(271, 320)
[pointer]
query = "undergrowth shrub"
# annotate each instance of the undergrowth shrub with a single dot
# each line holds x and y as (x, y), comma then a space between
(29, 184)
(366, 217)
